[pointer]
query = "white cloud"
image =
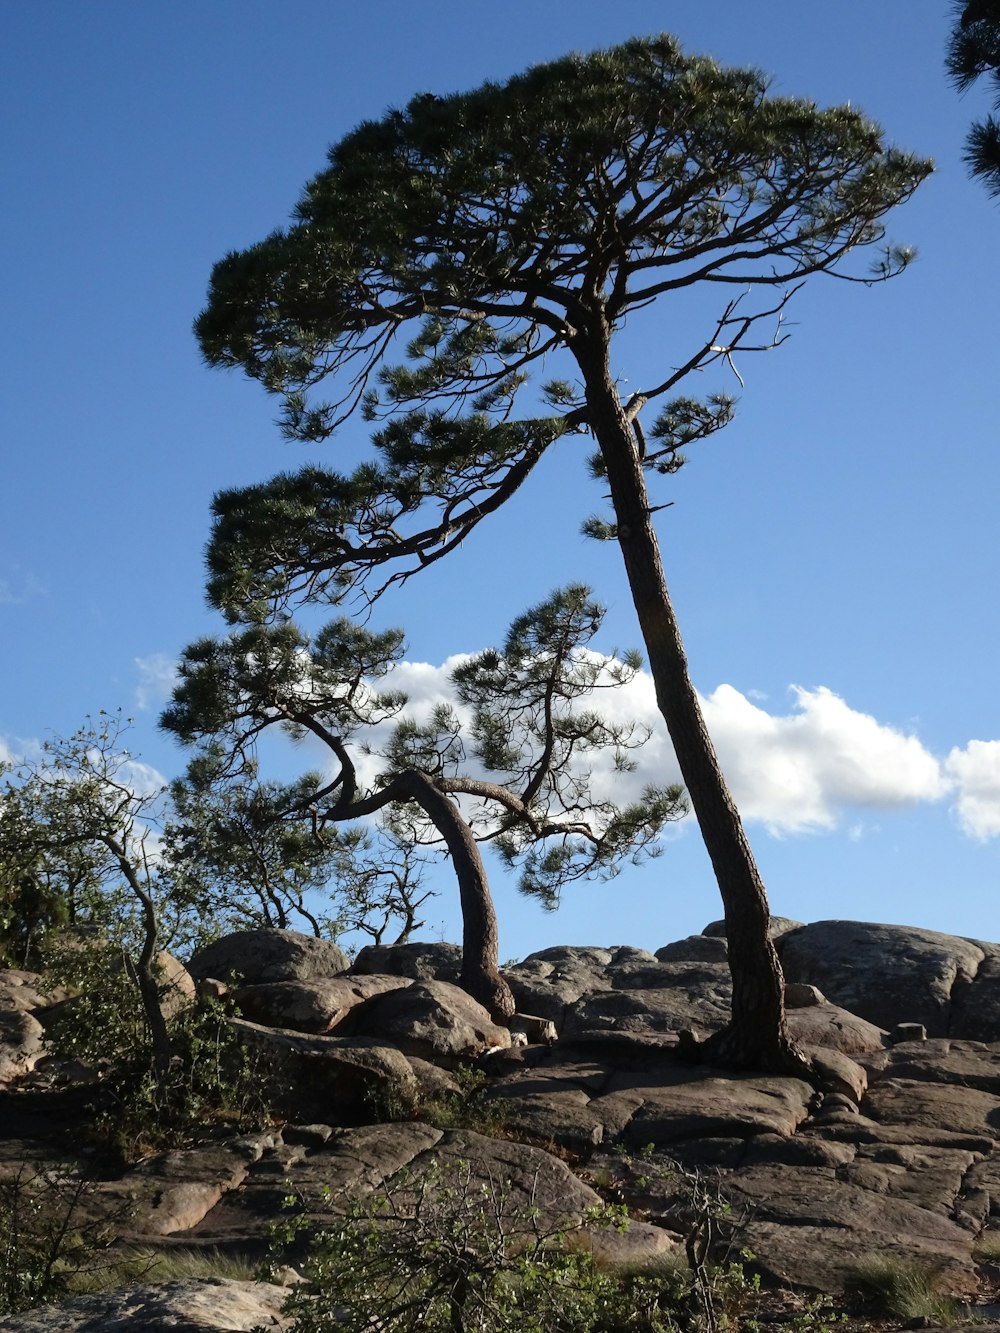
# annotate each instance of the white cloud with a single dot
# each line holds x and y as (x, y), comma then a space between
(16, 750)
(797, 772)
(157, 678)
(976, 773)
(141, 778)
(426, 686)
(813, 768)
(22, 587)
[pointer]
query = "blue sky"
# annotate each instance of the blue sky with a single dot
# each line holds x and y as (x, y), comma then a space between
(833, 554)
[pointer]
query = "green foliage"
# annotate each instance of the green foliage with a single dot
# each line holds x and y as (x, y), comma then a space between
(535, 727)
(238, 851)
(56, 816)
(974, 53)
(528, 721)
(174, 1265)
(444, 1251)
(489, 230)
(31, 904)
(468, 1108)
(211, 1083)
(51, 1243)
(483, 236)
(986, 1249)
(59, 1238)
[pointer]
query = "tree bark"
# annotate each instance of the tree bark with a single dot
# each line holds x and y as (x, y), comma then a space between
(145, 967)
(757, 1036)
(480, 975)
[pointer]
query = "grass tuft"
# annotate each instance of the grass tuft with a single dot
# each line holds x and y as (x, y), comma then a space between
(148, 1265)
(904, 1288)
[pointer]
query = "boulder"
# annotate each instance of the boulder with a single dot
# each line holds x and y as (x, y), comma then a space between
(829, 1026)
(838, 1073)
(530, 1178)
(535, 1030)
(699, 1001)
(547, 982)
(920, 1105)
(20, 1043)
(777, 926)
(330, 1177)
(634, 1248)
(971, 1064)
(825, 1255)
(554, 1103)
(673, 1104)
(174, 1191)
(320, 1005)
(975, 1005)
(430, 1019)
(333, 1079)
(886, 974)
(420, 962)
(23, 990)
(695, 949)
(259, 956)
(192, 1305)
(327, 1174)
(178, 991)
(800, 995)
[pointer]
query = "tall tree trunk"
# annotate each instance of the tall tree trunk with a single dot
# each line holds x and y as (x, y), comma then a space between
(757, 1036)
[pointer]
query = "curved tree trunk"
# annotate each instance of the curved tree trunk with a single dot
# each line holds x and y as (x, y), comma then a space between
(757, 1036)
(480, 937)
(145, 967)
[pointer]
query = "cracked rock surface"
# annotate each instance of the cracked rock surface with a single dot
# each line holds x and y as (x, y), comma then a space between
(897, 1156)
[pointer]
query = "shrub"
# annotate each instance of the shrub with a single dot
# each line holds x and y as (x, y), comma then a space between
(211, 1081)
(52, 1244)
(447, 1252)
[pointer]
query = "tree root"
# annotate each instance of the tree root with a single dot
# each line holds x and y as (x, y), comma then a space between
(737, 1049)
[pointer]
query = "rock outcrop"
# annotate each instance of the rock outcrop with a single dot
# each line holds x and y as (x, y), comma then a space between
(894, 1151)
(256, 957)
(900, 974)
(204, 1305)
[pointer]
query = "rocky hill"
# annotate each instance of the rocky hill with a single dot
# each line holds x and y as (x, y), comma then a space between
(894, 1157)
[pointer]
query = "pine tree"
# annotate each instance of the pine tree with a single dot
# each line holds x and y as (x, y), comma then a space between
(522, 221)
(520, 757)
(974, 52)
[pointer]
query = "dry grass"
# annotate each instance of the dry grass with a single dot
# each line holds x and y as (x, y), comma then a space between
(904, 1288)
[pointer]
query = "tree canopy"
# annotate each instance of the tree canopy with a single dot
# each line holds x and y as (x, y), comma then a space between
(499, 225)
(974, 53)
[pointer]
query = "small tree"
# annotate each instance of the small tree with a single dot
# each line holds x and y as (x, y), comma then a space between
(97, 821)
(519, 223)
(239, 849)
(974, 53)
(86, 806)
(527, 736)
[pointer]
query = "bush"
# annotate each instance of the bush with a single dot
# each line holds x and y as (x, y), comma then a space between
(446, 1252)
(50, 1245)
(211, 1082)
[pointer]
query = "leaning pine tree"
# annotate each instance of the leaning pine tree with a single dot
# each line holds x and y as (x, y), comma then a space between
(455, 244)
(514, 771)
